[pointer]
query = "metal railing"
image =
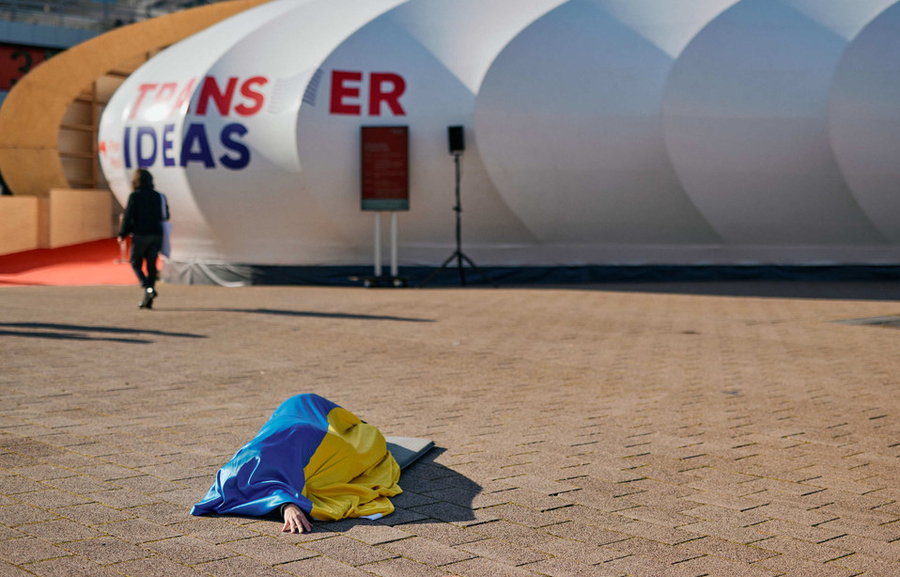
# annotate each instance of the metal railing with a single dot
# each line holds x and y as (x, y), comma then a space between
(90, 14)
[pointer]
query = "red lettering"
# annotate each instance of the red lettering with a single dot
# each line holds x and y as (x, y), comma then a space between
(339, 91)
(143, 89)
(255, 96)
(392, 97)
(165, 92)
(222, 99)
(210, 92)
(183, 97)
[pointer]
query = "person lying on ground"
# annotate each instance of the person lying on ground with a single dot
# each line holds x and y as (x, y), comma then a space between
(311, 460)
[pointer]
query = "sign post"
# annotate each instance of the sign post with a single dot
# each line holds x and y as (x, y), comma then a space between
(385, 188)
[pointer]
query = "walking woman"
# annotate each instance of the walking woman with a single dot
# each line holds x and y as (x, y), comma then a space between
(143, 218)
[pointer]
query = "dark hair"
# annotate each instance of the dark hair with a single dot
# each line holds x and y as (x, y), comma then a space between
(142, 179)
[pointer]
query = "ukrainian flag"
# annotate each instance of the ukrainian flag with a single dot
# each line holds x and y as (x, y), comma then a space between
(314, 454)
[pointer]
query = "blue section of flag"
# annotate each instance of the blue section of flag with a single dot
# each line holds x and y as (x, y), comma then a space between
(268, 471)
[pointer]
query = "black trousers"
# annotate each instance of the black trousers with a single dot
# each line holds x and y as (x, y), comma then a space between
(145, 247)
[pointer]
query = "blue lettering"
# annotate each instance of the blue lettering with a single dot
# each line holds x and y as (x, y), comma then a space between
(243, 158)
(196, 133)
(126, 147)
(167, 144)
(145, 161)
(147, 145)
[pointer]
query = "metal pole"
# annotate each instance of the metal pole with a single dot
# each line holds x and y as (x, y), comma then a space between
(377, 243)
(458, 209)
(394, 268)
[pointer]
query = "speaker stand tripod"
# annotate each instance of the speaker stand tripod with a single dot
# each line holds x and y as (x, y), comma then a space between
(458, 254)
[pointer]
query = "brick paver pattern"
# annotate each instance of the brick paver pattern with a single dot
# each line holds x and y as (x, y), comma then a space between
(651, 430)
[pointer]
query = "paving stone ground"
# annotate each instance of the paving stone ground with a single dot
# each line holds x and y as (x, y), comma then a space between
(725, 429)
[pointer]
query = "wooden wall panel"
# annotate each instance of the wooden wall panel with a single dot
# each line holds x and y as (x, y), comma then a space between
(18, 223)
(78, 216)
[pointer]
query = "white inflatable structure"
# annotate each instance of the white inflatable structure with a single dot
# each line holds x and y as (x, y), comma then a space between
(597, 131)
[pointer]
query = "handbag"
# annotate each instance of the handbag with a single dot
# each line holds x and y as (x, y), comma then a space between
(166, 248)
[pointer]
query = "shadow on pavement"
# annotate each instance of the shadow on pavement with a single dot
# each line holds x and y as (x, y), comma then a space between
(862, 290)
(433, 492)
(82, 332)
(309, 314)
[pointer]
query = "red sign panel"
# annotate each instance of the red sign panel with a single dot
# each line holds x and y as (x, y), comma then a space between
(16, 61)
(385, 168)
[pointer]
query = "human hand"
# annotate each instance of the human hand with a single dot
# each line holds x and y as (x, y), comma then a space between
(294, 520)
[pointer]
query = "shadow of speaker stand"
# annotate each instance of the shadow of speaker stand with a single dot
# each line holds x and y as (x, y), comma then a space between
(373, 281)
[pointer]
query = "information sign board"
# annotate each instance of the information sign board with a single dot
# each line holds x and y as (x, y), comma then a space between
(385, 168)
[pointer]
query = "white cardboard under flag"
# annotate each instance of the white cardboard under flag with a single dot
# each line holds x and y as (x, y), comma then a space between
(408, 450)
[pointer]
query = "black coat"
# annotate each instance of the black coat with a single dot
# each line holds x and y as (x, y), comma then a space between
(143, 213)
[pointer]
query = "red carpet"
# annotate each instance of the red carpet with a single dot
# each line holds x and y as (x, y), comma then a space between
(91, 263)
